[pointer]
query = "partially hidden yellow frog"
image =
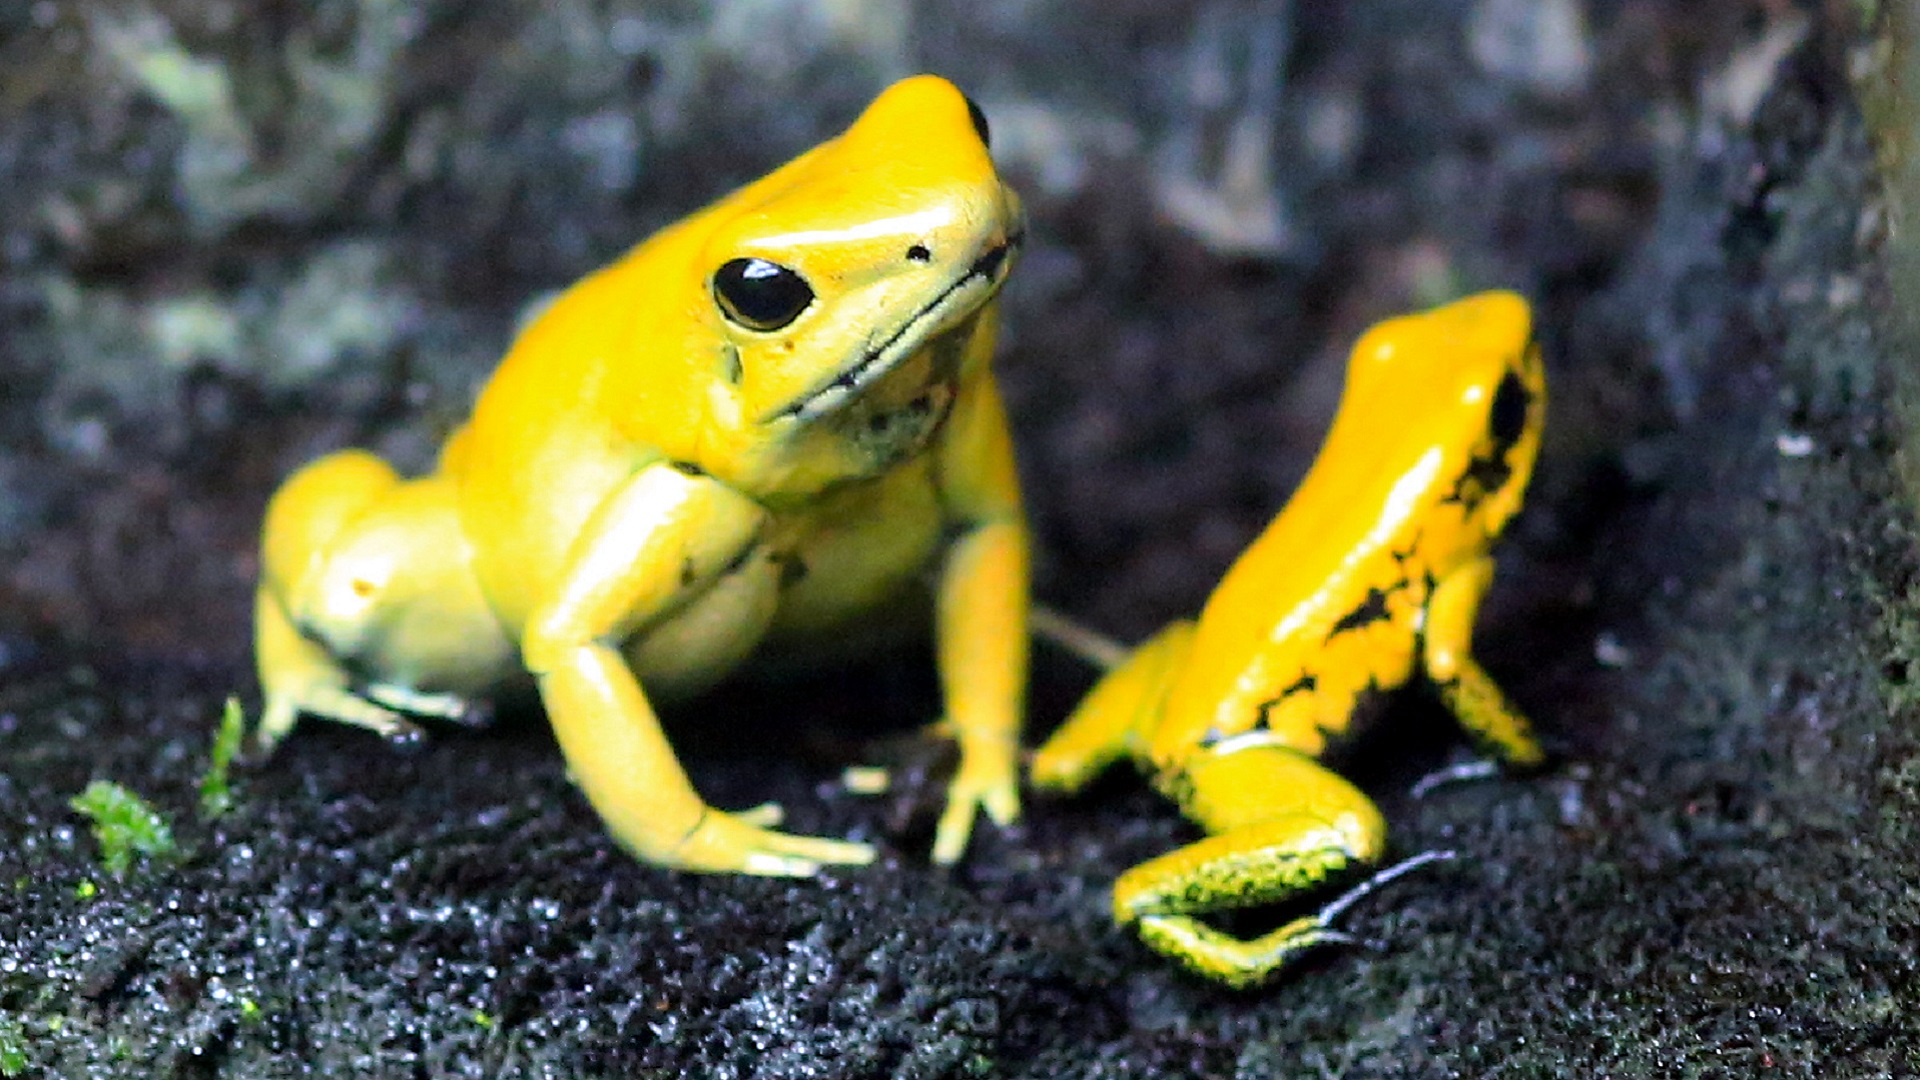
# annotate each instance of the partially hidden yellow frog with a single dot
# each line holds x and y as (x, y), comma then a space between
(1373, 572)
(760, 432)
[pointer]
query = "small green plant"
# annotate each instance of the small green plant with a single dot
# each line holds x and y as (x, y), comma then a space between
(216, 797)
(13, 1048)
(123, 824)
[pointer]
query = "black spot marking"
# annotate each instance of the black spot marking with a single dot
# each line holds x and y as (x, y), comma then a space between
(1488, 471)
(793, 569)
(733, 566)
(686, 468)
(1305, 684)
(1485, 474)
(1371, 609)
(1508, 418)
(688, 573)
(979, 119)
(919, 253)
(1402, 558)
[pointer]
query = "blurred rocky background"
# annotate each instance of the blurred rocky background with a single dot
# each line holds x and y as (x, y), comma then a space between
(237, 235)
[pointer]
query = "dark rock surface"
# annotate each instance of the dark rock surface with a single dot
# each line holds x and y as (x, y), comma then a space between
(239, 235)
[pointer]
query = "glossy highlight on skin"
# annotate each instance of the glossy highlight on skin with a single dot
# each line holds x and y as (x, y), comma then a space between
(1371, 574)
(755, 433)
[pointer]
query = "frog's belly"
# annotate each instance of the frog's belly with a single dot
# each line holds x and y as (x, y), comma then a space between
(707, 638)
(825, 585)
(860, 553)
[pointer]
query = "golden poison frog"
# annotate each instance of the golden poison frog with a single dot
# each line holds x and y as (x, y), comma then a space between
(752, 435)
(1373, 572)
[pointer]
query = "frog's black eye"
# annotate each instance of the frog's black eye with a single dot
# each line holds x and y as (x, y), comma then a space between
(979, 122)
(760, 295)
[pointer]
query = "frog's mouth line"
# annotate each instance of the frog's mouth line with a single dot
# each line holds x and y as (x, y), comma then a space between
(904, 341)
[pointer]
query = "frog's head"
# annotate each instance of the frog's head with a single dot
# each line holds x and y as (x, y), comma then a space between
(858, 268)
(1465, 379)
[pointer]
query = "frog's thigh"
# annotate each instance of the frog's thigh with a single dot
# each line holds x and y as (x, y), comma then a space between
(1282, 824)
(1466, 688)
(1104, 724)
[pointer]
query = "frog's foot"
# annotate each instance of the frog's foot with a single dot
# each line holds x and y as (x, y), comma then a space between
(1241, 963)
(331, 703)
(1257, 864)
(467, 712)
(744, 843)
(988, 780)
(1282, 825)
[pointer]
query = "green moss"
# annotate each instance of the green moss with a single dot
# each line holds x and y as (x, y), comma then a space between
(123, 824)
(216, 797)
(13, 1048)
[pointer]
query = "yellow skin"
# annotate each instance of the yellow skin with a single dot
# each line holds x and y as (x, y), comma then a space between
(1373, 572)
(757, 433)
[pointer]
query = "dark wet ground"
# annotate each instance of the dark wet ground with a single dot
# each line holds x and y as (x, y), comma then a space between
(1709, 605)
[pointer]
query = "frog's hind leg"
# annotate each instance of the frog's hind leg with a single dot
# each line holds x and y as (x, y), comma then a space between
(297, 675)
(1104, 726)
(1466, 688)
(1281, 824)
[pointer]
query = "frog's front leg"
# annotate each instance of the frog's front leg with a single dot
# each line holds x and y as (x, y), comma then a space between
(981, 621)
(657, 541)
(1466, 688)
(1281, 824)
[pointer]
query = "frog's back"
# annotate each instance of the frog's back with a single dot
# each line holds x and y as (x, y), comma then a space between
(1326, 602)
(542, 450)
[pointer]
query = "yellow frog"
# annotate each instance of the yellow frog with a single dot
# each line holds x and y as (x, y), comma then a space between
(1372, 572)
(753, 434)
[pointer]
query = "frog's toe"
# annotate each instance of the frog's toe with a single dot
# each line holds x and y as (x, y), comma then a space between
(1226, 959)
(766, 815)
(999, 800)
(737, 843)
(404, 735)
